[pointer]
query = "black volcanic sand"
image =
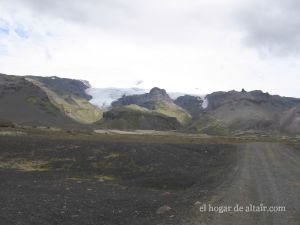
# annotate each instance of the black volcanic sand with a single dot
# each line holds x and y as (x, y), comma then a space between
(69, 182)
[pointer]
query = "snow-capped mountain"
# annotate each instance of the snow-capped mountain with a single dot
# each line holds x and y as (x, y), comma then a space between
(103, 97)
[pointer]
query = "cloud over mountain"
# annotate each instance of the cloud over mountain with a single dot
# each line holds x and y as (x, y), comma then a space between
(200, 46)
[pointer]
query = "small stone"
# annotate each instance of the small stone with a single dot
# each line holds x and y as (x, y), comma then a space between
(163, 209)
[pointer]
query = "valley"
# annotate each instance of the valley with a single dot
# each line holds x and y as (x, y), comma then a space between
(67, 103)
(145, 158)
(160, 112)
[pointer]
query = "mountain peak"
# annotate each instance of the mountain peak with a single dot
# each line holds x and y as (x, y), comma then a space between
(157, 100)
(157, 91)
(157, 94)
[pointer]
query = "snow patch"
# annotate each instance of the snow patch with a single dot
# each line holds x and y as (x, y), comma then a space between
(205, 102)
(174, 95)
(103, 97)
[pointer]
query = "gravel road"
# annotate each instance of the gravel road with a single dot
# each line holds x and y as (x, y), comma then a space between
(267, 174)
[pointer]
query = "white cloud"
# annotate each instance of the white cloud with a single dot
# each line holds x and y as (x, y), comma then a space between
(189, 47)
(272, 26)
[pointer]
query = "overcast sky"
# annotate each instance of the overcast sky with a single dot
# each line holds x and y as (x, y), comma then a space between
(195, 46)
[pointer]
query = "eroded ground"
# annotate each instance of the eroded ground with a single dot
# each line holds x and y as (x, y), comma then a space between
(77, 181)
(78, 178)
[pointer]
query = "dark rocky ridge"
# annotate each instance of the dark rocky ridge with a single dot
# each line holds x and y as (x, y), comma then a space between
(147, 100)
(24, 103)
(158, 101)
(217, 99)
(192, 104)
(233, 111)
(65, 86)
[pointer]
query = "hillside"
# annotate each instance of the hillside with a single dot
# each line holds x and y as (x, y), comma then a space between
(156, 100)
(134, 117)
(65, 86)
(6, 123)
(192, 104)
(243, 111)
(61, 102)
(69, 97)
(290, 121)
(258, 97)
(24, 103)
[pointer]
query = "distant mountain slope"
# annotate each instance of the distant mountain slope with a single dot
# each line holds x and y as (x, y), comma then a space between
(258, 97)
(156, 100)
(290, 121)
(134, 117)
(103, 97)
(24, 103)
(241, 111)
(192, 104)
(207, 124)
(65, 86)
(226, 112)
(69, 97)
(61, 102)
(6, 123)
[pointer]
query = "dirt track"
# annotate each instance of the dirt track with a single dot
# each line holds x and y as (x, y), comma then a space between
(267, 174)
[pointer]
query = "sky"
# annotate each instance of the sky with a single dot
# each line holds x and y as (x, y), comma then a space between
(194, 46)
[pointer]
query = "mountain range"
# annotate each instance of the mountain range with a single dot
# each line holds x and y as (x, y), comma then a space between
(62, 102)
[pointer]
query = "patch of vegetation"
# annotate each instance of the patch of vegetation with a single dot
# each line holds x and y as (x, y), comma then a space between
(46, 106)
(33, 100)
(6, 123)
(127, 118)
(181, 115)
(216, 129)
(105, 177)
(99, 177)
(50, 108)
(208, 125)
(102, 165)
(11, 133)
(24, 164)
(78, 109)
(136, 108)
(73, 105)
(112, 156)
